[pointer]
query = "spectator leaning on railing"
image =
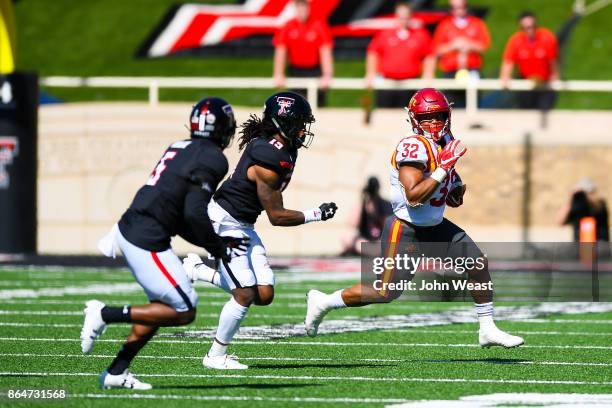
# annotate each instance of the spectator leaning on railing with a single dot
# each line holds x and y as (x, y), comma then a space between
(459, 42)
(308, 44)
(534, 49)
(397, 53)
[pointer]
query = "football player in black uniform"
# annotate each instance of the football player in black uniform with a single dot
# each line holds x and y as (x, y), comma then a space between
(173, 202)
(270, 149)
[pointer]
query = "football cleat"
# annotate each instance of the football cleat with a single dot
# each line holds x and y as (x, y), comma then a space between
(93, 326)
(492, 336)
(316, 309)
(224, 362)
(123, 380)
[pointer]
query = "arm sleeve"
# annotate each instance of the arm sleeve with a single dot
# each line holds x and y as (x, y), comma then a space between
(510, 50)
(327, 39)
(484, 35)
(439, 35)
(411, 150)
(266, 155)
(554, 47)
(374, 45)
(280, 37)
(427, 43)
(204, 179)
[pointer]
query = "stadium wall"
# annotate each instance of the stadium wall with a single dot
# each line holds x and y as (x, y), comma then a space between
(94, 156)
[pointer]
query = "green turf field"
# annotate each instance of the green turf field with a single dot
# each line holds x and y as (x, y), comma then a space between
(100, 38)
(41, 315)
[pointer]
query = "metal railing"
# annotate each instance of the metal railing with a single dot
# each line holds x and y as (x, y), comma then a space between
(470, 86)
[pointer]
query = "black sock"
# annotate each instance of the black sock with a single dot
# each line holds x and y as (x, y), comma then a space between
(116, 314)
(124, 357)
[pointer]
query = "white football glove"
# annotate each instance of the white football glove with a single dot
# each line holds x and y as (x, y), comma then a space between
(190, 262)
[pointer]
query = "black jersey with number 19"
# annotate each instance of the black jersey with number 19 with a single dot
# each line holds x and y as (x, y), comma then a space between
(238, 195)
(159, 208)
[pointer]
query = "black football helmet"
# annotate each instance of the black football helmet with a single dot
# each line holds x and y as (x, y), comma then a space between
(292, 115)
(213, 118)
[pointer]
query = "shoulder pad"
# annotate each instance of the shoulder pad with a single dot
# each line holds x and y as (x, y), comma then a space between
(413, 149)
(272, 155)
(213, 161)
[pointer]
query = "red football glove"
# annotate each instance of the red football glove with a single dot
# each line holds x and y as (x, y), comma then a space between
(450, 154)
(455, 197)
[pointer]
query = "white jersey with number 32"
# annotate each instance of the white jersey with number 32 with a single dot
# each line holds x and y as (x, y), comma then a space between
(418, 149)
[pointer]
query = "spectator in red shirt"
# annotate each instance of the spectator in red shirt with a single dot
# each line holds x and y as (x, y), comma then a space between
(534, 49)
(459, 42)
(308, 44)
(397, 54)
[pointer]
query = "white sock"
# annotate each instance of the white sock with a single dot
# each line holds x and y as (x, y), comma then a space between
(229, 322)
(210, 275)
(484, 311)
(217, 349)
(334, 301)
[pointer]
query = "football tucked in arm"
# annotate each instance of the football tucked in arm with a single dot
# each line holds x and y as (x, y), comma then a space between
(455, 197)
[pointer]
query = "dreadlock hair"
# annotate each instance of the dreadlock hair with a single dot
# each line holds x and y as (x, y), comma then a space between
(253, 128)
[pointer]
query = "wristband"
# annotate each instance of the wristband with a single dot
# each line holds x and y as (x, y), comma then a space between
(439, 175)
(312, 215)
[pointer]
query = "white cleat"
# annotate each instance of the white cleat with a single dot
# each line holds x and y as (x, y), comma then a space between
(123, 380)
(224, 362)
(492, 336)
(93, 326)
(196, 269)
(316, 309)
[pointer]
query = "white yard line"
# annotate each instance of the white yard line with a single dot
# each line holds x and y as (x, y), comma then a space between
(242, 398)
(94, 289)
(77, 313)
(71, 325)
(565, 321)
(414, 320)
(529, 332)
(519, 399)
(297, 359)
(326, 378)
(319, 344)
(204, 300)
(41, 313)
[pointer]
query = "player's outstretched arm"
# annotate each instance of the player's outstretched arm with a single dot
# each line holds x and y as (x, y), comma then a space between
(271, 199)
(418, 187)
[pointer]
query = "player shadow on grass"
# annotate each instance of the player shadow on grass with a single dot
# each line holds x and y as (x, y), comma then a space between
(222, 386)
(475, 360)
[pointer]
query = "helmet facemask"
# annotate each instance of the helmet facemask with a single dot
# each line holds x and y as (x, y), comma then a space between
(433, 125)
(296, 130)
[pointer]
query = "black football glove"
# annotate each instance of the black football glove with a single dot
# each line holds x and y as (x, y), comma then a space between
(328, 210)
